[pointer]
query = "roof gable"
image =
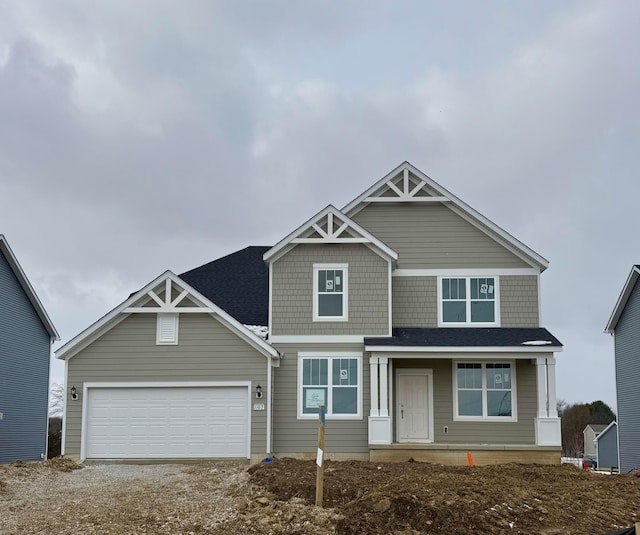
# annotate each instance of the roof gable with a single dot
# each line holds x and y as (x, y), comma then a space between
(329, 226)
(627, 290)
(406, 183)
(13, 263)
(165, 294)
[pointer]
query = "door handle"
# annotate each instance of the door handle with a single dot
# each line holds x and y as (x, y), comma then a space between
(402, 412)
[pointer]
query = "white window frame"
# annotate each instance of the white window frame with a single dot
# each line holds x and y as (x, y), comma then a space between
(345, 292)
(162, 316)
(329, 355)
(468, 322)
(484, 417)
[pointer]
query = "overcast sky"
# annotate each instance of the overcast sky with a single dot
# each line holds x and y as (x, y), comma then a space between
(142, 136)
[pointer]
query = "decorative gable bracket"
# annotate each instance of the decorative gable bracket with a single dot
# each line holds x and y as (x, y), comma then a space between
(406, 189)
(167, 304)
(329, 226)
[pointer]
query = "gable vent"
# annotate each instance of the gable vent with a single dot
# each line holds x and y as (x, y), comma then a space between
(167, 329)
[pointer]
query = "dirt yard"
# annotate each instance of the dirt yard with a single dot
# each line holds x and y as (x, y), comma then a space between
(60, 497)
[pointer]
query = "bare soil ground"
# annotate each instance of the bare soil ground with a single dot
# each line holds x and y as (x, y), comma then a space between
(276, 498)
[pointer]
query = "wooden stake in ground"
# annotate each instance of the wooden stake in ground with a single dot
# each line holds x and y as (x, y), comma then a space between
(320, 457)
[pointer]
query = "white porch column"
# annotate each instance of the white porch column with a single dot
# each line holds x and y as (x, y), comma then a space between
(541, 386)
(373, 367)
(379, 420)
(551, 387)
(384, 386)
(547, 421)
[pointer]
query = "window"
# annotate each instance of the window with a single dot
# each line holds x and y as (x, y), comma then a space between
(484, 390)
(167, 329)
(330, 292)
(468, 301)
(333, 381)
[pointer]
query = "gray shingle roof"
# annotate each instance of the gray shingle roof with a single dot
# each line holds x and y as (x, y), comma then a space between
(465, 337)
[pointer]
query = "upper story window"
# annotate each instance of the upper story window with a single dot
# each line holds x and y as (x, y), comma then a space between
(330, 297)
(484, 391)
(167, 329)
(468, 301)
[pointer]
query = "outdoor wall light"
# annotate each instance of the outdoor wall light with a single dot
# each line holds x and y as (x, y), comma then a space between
(74, 393)
(258, 391)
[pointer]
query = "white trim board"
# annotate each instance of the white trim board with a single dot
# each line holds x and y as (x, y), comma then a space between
(474, 217)
(319, 338)
(119, 313)
(481, 272)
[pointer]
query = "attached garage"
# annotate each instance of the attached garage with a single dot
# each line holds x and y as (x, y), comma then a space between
(166, 420)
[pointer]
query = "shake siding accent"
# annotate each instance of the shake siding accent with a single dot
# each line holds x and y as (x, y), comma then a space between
(520, 432)
(293, 436)
(415, 301)
(430, 235)
(207, 351)
(519, 301)
(368, 291)
(24, 373)
(627, 351)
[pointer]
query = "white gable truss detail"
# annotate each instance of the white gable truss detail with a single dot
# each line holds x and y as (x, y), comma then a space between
(427, 188)
(148, 301)
(406, 189)
(329, 226)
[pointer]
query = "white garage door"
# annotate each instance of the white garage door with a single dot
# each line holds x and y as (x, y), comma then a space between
(161, 422)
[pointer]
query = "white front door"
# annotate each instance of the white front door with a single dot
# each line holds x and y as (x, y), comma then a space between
(414, 410)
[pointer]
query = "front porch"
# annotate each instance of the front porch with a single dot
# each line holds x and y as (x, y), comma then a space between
(416, 407)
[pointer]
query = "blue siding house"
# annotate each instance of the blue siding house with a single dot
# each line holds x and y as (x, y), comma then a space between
(624, 325)
(26, 335)
(608, 447)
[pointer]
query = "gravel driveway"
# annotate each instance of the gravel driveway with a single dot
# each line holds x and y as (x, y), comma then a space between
(54, 497)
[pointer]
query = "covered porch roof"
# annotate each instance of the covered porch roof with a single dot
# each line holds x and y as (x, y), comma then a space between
(459, 339)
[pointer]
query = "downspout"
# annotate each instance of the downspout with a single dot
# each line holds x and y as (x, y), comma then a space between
(269, 398)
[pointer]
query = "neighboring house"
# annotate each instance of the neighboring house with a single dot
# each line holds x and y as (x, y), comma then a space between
(411, 317)
(26, 335)
(607, 446)
(624, 325)
(589, 434)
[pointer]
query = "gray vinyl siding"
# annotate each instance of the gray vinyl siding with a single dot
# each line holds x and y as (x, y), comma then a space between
(207, 351)
(25, 348)
(519, 301)
(627, 352)
(430, 235)
(520, 432)
(368, 291)
(415, 301)
(608, 448)
(293, 436)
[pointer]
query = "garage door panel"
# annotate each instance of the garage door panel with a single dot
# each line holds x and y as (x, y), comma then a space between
(167, 422)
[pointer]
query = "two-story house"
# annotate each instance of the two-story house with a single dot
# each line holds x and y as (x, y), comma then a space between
(26, 335)
(407, 314)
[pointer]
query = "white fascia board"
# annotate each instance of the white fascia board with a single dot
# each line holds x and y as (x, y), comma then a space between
(476, 218)
(318, 339)
(602, 433)
(28, 289)
(284, 245)
(116, 315)
(622, 300)
(462, 349)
